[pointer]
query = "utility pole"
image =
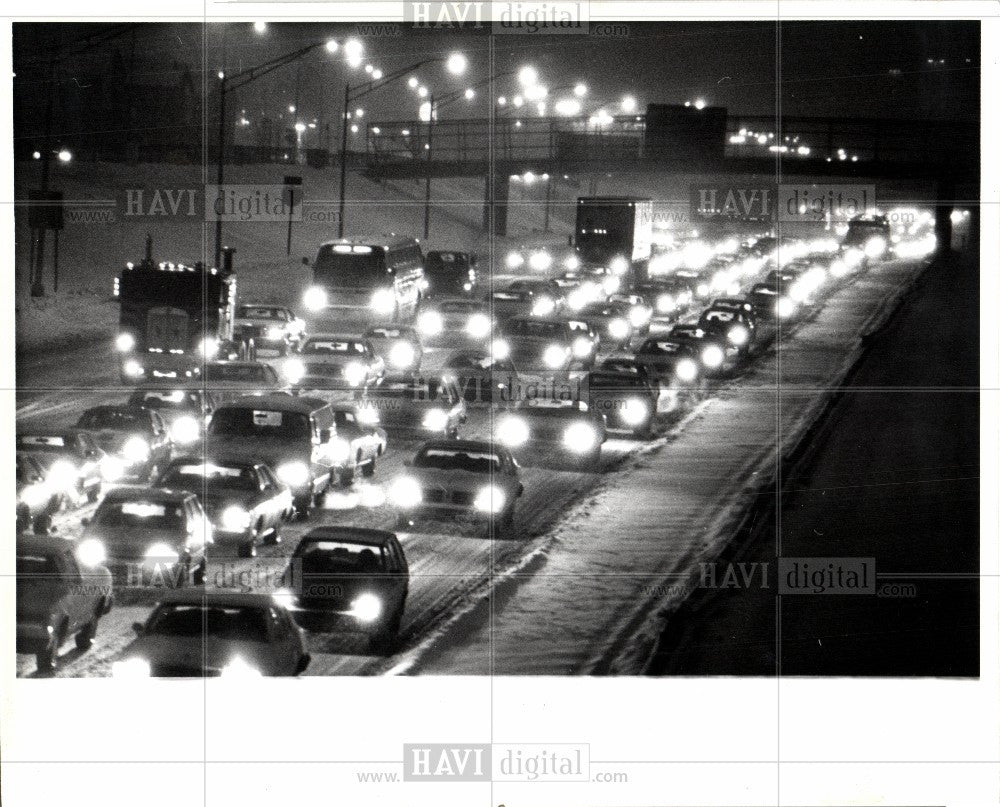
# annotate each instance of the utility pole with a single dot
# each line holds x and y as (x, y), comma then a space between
(343, 158)
(37, 287)
(430, 157)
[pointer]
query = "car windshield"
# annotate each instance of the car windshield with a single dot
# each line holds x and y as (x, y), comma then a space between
(389, 333)
(139, 514)
(717, 315)
(43, 442)
(613, 381)
(243, 373)
(116, 419)
(239, 624)
(36, 566)
(447, 459)
(459, 307)
(660, 347)
(251, 423)
(431, 390)
(176, 399)
(533, 328)
(261, 312)
(197, 476)
(347, 266)
(339, 557)
(446, 263)
(334, 347)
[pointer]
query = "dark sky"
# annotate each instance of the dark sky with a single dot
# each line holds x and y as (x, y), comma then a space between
(843, 69)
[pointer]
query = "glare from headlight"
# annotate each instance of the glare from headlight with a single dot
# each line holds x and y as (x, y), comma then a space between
(340, 449)
(208, 346)
(712, 356)
(634, 412)
(293, 474)
(238, 668)
(354, 373)
(366, 607)
(35, 495)
(135, 450)
(132, 368)
(514, 260)
(405, 492)
(131, 668)
(275, 333)
(368, 415)
(490, 499)
(543, 307)
(477, 326)
(611, 285)
(572, 262)
(638, 316)
(125, 342)
(185, 430)
(686, 370)
(293, 370)
(619, 265)
(786, 307)
(875, 247)
(540, 261)
(838, 267)
(501, 350)
(402, 354)
(383, 301)
(853, 257)
(435, 420)
(665, 303)
(579, 437)
(739, 335)
(577, 299)
(315, 298)
(554, 356)
(430, 323)
(582, 346)
(284, 597)
(62, 475)
(91, 552)
(161, 551)
(112, 468)
(512, 431)
(235, 519)
(618, 328)
(702, 290)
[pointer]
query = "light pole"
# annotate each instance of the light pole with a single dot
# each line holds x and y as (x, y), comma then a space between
(456, 65)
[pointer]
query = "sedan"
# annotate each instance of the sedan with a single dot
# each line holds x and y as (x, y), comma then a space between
(669, 360)
(542, 430)
(136, 435)
(72, 463)
(626, 400)
(185, 407)
(37, 501)
(273, 328)
(229, 380)
(360, 437)
(335, 362)
(398, 346)
(481, 377)
(466, 320)
(428, 405)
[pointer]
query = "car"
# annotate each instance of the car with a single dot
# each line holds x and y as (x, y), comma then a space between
(450, 273)
(579, 288)
(669, 360)
(215, 633)
(766, 300)
(458, 477)
(732, 319)
(627, 400)
(229, 380)
(547, 298)
(536, 346)
(713, 349)
(540, 430)
(632, 366)
(136, 435)
(294, 435)
(698, 280)
(418, 404)
(612, 320)
(37, 500)
(467, 320)
(398, 346)
(481, 377)
(63, 589)
(358, 425)
(72, 462)
(639, 312)
(151, 536)
(245, 502)
(796, 285)
(185, 406)
(349, 579)
(273, 328)
(328, 361)
(586, 341)
(670, 297)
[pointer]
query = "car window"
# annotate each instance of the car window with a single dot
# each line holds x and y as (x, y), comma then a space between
(140, 515)
(114, 420)
(477, 462)
(339, 557)
(230, 623)
(210, 476)
(244, 373)
(251, 423)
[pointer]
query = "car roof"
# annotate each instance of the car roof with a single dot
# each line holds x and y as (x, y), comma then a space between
(169, 384)
(130, 492)
(349, 535)
(235, 363)
(123, 407)
(212, 459)
(391, 241)
(44, 544)
(263, 305)
(484, 446)
(335, 337)
(278, 401)
(224, 598)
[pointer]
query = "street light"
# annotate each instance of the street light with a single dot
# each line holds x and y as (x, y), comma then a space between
(580, 90)
(527, 76)
(628, 104)
(457, 64)
(260, 27)
(64, 156)
(353, 52)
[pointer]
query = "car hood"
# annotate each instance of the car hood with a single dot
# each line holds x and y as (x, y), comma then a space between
(122, 543)
(195, 654)
(459, 479)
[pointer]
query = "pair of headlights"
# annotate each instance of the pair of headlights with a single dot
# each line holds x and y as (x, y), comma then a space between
(138, 668)
(578, 437)
(405, 493)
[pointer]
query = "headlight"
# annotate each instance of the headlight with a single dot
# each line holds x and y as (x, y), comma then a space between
(435, 420)
(367, 415)
(875, 247)
(798, 292)
(131, 668)
(208, 346)
(112, 468)
(512, 431)
(275, 333)
(579, 438)
(686, 370)
(315, 298)
(235, 519)
(572, 262)
(554, 356)
(712, 356)
(135, 450)
(161, 551)
(702, 290)
(293, 474)
(91, 552)
(132, 368)
(430, 323)
(665, 303)
(284, 597)
(293, 370)
(238, 668)
(582, 346)
(853, 257)
(383, 301)
(618, 328)
(185, 430)
(366, 607)
(634, 412)
(354, 373)
(619, 265)
(35, 495)
(638, 316)
(514, 260)
(543, 307)
(489, 499)
(577, 299)
(540, 261)
(62, 475)
(501, 350)
(611, 285)
(402, 354)
(340, 449)
(405, 492)
(739, 335)
(477, 326)
(838, 267)
(125, 342)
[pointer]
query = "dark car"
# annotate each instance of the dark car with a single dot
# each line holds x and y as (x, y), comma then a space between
(185, 407)
(712, 349)
(398, 345)
(698, 280)
(448, 273)
(420, 405)
(536, 345)
(37, 500)
(731, 319)
(464, 320)
(349, 579)
(546, 295)
(229, 380)
(329, 361)
(610, 320)
(669, 296)
(627, 400)
(630, 365)
(273, 328)
(72, 462)
(764, 297)
(481, 377)
(667, 360)
(244, 501)
(62, 589)
(358, 426)
(539, 431)
(136, 435)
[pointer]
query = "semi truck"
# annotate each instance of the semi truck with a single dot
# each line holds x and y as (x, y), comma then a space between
(615, 234)
(174, 317)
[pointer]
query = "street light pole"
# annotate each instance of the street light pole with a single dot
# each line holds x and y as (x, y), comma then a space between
(343, 159)
(430, 157)
(219, 171)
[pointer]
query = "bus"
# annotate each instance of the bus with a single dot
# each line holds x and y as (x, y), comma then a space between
(368, 279)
